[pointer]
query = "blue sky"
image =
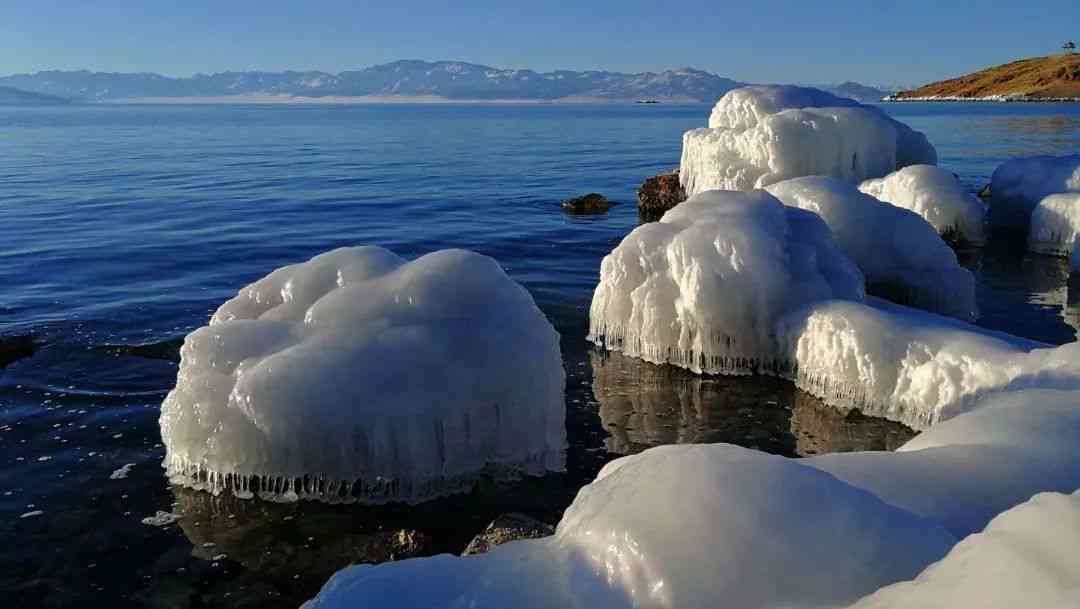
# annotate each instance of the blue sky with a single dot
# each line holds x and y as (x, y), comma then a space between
(906, 42)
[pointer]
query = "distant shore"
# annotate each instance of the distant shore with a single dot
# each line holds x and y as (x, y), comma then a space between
(371, 99)
(991, 98)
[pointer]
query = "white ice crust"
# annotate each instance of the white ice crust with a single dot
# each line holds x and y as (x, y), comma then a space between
(1018, 185)
(1026, 557)
(901, 255)
(703, 287)
(677, 526)
(937, 196)
(359, 376)
(1055, 223)
(760, 135)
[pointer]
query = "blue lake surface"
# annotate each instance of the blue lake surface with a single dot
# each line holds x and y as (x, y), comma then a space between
(129, 225)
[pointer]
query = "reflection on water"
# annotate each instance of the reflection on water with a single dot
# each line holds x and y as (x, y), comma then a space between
(643, 405)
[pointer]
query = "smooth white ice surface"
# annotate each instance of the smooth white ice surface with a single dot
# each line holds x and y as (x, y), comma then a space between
(677, 526)
(760, 135)
(704, 287)
(359, 376)
(901, 255)
(937, 196)
(1026, 557)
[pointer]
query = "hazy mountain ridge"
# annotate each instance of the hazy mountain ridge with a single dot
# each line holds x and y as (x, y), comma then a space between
(449, 79)
(10, 96)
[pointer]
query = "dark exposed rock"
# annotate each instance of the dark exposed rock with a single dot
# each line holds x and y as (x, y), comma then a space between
(15, 348)
(985, 192)
(167, 350)
(505, 528)
(660, 193)
(592, 203)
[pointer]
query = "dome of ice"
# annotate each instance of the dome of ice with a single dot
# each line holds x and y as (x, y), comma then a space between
(901, 255)
(359, 376)
(760, 135)
(704, 287)
(1026, 557)
(678, 526)
(937, 196)
(1054, 225)
(1018, 185)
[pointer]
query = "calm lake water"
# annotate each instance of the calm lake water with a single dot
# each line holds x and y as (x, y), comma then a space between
(123, 227)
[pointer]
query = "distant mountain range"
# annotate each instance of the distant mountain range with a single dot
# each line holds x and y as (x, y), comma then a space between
(10, 96)
(452, 80)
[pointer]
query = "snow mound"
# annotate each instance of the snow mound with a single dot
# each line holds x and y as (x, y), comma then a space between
(1026, 557)
(359, 376)
(937, 196)
(902, 256)
(761, 135)
(1054, 225)
(1018, 185)
(730, 533)
(704, 287)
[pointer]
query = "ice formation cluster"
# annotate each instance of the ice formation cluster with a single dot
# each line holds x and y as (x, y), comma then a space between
(937, 196)
(703, 287)
(1055, 223)
(1018, 185)
(359, 376)
(760, 135)
(901, 255)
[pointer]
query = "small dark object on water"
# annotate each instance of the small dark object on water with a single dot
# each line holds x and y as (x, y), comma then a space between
(646, 101)
(15, 348)
(985, 192)
(505, 528)
(660, 193)
(167, 350)
(592, 203)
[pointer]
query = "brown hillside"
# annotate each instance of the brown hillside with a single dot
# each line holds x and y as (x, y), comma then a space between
(1040, 77)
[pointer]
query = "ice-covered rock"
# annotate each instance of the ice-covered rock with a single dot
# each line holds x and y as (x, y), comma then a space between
(914, 367)
(937, 196)
(901, 255)
(704, 287)
(760, 135)
(1026, 557)
(360, 376)
(1018, 185)
(678, 526)
(1054, 225)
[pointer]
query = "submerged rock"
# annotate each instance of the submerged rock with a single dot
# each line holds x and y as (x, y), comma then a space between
(15, 348)
(592, 203)
(660, 193)
(507, 528)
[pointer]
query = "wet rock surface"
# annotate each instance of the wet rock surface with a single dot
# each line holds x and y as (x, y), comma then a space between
(659, 194)
(592, 203)
(15, 348)
(506, 528)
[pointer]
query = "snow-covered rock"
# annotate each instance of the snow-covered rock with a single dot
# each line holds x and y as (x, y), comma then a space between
(901, 255)
(704, 287)
(760, 135)
(1054, 225)
(913, 367)
(1026, 557)
(1018, 185)
(937, 196)
(359, 376)
(677, 526)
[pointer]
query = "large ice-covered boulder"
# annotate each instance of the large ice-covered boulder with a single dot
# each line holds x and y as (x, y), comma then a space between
(704, 287)
(901, 255)
(937, 196)
(359, 376)
(760, 135)
(1018, 185)
(1026, 557)
(678, 526)
(1055, 223)
(913, 367)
